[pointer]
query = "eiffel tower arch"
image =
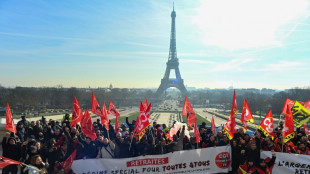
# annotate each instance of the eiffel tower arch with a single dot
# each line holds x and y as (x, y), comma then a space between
(172, 64)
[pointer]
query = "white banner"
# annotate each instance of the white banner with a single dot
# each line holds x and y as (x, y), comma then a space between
(289, 163)
(207, 160)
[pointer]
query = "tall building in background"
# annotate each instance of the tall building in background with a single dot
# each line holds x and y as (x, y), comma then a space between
(172, 64)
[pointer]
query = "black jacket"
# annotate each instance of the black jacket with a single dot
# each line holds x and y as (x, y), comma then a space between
(12, 151)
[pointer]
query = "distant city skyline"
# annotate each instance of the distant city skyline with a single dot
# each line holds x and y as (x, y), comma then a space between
(257, 44)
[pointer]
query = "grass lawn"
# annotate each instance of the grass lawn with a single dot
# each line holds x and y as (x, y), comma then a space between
(133, 116)
(199, 120)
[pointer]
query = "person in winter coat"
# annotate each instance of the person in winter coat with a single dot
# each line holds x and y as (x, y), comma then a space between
(235, 153)
(253, 152)
(143, 147)
(107, 149)
(177, 143)
(11, 149)
(246, 167)
(21, 132)
(89, 150)
(265, 167)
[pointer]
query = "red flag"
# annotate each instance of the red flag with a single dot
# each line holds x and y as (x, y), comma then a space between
(288, 127)
(306, 129)
(95, 108)
(67, 164)
(189, 112)
(288, 103)
(230, 126)
(142, 121)
(7, 161)
(104, 117)
(77, 113)
(112, 110)
(212, 125)
(10, 126)
(266, 126)
(246, 115)
(197, 133)
(87, 126)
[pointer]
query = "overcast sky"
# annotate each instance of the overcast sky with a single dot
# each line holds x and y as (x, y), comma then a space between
(220, 43)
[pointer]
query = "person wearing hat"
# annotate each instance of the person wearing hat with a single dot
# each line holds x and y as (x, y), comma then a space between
(265, 166)
(246, 166)
(11, 149)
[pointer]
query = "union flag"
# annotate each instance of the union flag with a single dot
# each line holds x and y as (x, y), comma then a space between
(266, 126)
(288, 127)
(189, 112)
(230, 126)
(10, 126)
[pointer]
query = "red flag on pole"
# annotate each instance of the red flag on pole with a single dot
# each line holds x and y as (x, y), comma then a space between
(112, 110)
(10, 126)
(95, 108)
(246, 115)
(77, 113)
(212, 125)
(288, 127)
(68, 162)
(189, 112)
(230, 126)
(266, 126)
(7, 161)
(142, 122)
(104, 117)
(196, 133)
(87, 126)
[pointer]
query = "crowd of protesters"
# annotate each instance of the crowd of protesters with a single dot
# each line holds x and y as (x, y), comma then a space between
(46, 143)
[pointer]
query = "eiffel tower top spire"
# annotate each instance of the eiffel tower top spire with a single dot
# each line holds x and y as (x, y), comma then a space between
(173, 46)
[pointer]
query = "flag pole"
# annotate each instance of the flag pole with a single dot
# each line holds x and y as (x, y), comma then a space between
(282, 144)
(108, 135)
(32, 167)
(131, 141)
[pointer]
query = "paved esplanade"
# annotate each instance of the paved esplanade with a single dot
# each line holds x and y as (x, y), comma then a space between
(164, 118)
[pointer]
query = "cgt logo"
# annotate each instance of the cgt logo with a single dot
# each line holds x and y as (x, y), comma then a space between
(222, 160)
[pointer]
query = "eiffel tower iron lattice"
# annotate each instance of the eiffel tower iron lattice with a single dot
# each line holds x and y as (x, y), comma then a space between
(172, 64)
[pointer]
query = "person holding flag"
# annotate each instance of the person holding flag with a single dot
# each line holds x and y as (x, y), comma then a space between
(230, 126)
(11, 149)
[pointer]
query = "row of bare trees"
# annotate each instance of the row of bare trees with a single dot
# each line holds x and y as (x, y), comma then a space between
(41, 99)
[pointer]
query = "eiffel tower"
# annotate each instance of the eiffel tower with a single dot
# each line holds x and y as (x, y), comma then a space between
(172, 64)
